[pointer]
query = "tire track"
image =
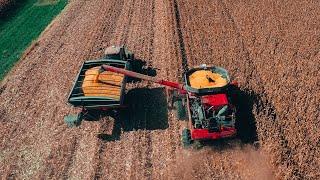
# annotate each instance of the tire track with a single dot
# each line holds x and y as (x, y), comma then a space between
(152, 32)
(141, 41)
(167, 59)
(182, 45)
(106, 31)
(148, 136)
(126, 29)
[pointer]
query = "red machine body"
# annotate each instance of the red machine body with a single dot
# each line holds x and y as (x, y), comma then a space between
(215, 101)
(200, 134)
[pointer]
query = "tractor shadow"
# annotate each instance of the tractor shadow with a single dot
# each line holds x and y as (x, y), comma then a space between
(140, 66)
(146, 109)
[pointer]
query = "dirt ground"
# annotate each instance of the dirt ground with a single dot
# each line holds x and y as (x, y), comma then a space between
(271, 48)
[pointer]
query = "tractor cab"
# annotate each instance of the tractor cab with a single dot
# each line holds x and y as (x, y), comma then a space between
(118, 52)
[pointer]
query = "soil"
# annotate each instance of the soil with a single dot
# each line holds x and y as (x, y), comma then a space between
(270, 48)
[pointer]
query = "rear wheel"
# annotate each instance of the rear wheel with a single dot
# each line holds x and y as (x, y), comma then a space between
(186, 138)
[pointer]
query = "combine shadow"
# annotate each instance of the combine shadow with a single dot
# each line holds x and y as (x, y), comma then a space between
(245, 102)
(245, 122)
(146, 109)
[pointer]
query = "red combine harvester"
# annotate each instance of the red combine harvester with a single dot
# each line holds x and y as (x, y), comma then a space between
(208, 109)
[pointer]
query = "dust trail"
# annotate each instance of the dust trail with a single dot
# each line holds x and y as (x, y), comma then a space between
(216, 163)
(180, 36)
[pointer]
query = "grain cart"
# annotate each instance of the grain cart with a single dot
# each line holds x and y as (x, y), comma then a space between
(204, 100)
(103, 93)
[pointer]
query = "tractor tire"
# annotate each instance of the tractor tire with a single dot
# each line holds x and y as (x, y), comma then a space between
(73, 120)
(181, 111)
(186, 138)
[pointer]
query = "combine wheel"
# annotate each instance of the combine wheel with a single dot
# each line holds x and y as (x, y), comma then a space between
(180, 109)
(186, 138)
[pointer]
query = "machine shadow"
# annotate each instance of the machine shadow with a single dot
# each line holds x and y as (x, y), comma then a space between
(245, 101)
(246, 122)
(140, 66)
(146, 109)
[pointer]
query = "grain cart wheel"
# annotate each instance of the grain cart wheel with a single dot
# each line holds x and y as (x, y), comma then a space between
(73, 120)
(186, 138)
(181, 111)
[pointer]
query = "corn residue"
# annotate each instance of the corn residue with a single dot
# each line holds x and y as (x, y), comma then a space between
(206, 79)
(106, 84)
